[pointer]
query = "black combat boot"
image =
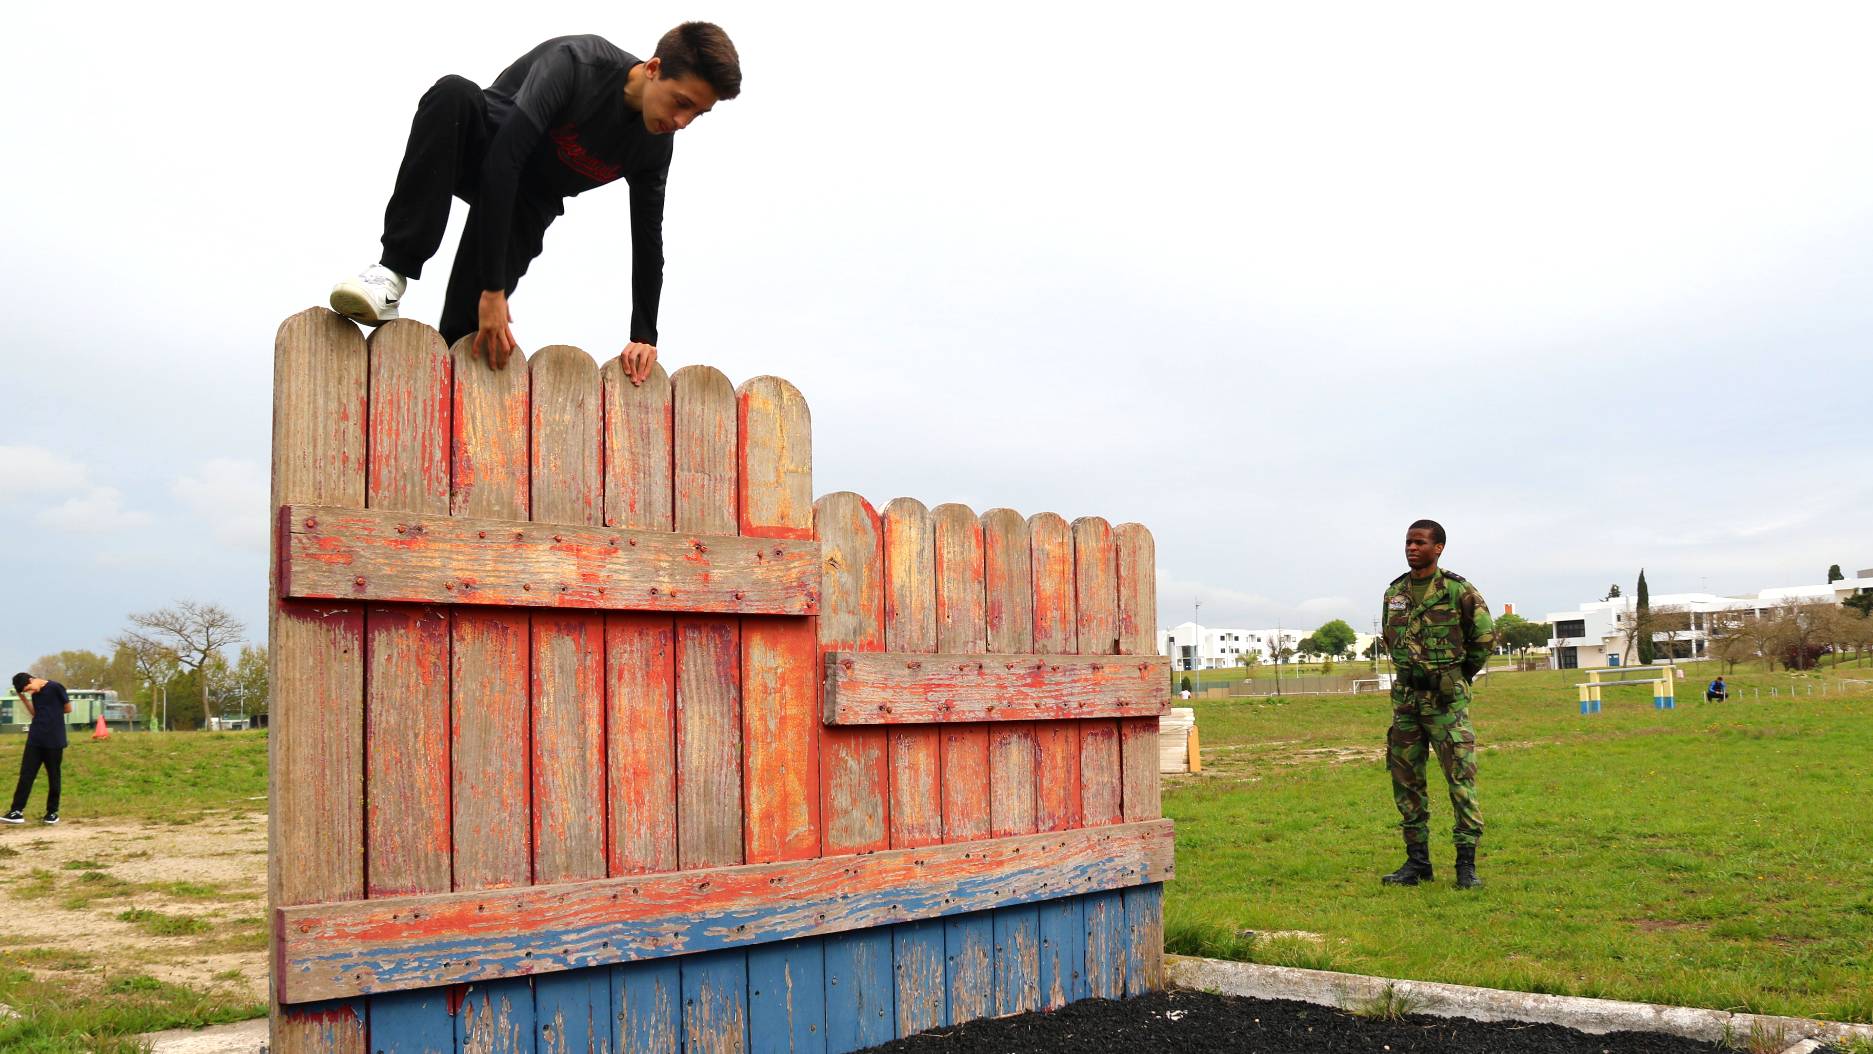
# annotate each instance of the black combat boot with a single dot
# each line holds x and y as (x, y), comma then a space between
(1415, 869)
(1466, 868)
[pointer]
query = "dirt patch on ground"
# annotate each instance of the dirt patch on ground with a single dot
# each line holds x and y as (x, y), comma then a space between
(91, 900)
(1181, 1020)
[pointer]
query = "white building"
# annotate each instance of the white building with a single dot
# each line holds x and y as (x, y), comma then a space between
(1191, 646)
(1596, 634)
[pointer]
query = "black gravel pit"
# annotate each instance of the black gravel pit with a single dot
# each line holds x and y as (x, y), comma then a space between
(1198, 1021)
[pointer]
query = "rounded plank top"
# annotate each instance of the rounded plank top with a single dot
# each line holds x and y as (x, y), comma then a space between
(1095, 587)
(961, 624)
(638, 437)
(910, 576)
(1050, 540)
(319, 371)
(411, 394)
(1008, 581)
(565, 417)
(1138, 590)
(705, 450)
(491, 473)
(774, 430)
(851, 608)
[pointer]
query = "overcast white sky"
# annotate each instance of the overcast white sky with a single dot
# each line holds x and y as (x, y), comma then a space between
(1586, 282)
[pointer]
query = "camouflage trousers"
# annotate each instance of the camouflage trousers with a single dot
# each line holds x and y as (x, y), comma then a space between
(1423, 721)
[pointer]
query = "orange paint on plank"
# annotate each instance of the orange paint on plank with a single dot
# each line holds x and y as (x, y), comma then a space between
(407, 840)
(916, 786)
(640, 670)
(854, 777)
(780, 730)
(568, 747)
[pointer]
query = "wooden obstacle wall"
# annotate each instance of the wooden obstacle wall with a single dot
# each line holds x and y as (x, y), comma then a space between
(593, 731)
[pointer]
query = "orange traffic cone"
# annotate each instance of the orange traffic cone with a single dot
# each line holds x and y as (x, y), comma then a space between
(103, 731)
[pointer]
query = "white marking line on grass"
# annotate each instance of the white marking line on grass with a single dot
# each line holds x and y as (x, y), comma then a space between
(1596, 1016)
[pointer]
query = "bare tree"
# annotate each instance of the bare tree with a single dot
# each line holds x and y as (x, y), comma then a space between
(1670, 623)
(191, 632)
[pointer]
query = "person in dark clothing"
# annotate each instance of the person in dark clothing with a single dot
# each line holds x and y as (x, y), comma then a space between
(572, 114)
(1717, 691)
(45, 743)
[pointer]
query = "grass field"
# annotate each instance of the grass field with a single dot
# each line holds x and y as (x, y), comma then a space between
(1715, 855)
(95, 914)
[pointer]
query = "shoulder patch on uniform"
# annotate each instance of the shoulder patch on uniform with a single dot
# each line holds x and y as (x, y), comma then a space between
(1397, 602)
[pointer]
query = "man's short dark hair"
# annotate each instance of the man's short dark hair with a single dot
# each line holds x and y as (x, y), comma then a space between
(20, 681)
(703, 49)
(1436, 529)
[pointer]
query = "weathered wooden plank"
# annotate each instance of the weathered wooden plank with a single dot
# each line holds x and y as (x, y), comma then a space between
(855, 797)
(918, 957)
(315, 658)
(639, 490)
(962, 628)
(1105, 945)
(1008, 587)
(779, 659)
(568, 663)
(640, 702)
(489, 682)
(1057, 743)
(407, 842)
(1017, 960)
(1096, 606)
(567, 435)
(572, 1011)
(916, 754)
(1144, 938)
(893, 688)
(1138, 635)
(715, 1002)
(496, 1018)
(705, 442)
(358, 554)
(647, 999)
(860, 997)
(969, 942)
(368, 946)
(412, 1022)
(1063, 952)
(787, 997)
(708, 743)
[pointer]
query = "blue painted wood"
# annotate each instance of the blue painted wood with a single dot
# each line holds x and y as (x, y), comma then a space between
(922, 995)
(646, 1004)
(787, 997)
(1105, 945)
(860, 995)
(1144, 938)
(969, 945)
(715, 1002)
(1063, 952)
(496, 1018)
(411, 1023)
(572, 1011)
(1017, 960)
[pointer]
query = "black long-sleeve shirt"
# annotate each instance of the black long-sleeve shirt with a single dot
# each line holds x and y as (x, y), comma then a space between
(562, 127)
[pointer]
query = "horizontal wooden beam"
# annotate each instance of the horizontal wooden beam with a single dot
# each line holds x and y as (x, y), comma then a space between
(331, 553)
(329, 951)
(900, 688)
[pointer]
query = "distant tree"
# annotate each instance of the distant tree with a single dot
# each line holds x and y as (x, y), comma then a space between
(1185, 685)
(193, 632)
(1519, 635)
(1307, 648)
(76, 668)
(1335, 639)
(153, 663)
(1248, 658)
(1833, 574)
(1861, 601)
(1642, 622)
(1612, 591)
(1796, 635)
(247, 684)
(1732, 641)
(1673, 623)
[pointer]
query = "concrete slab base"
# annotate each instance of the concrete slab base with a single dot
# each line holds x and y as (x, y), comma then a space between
(245, 1037)
(1353, 991)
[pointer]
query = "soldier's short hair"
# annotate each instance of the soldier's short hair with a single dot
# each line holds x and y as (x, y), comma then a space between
(703, 49)
(1436, 529)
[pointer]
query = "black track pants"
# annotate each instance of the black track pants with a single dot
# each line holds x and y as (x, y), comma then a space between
(35, 756)
(448, 140)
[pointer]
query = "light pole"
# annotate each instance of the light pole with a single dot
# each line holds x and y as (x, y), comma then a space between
(1196, 631)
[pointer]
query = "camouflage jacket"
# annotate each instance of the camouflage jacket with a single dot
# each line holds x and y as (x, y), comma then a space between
(1452, 627)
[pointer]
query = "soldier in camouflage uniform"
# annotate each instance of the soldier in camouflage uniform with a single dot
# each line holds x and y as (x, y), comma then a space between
(1439, 634)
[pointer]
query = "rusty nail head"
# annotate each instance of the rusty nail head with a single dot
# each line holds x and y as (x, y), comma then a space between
(481, 534)
(557, 538)
(634, 541)
(526, 586)
(312, 521)
(358, 581)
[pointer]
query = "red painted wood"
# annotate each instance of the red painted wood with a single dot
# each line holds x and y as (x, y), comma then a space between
(898, 688)
(1057, 743)
(1096, 605)
(780, 692)
(1138, 633)
(962, 628)
(854, 787)
(490, 678)
(916, 754)
(367, 946)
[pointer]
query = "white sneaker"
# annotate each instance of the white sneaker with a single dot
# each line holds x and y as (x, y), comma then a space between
(370, 298)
